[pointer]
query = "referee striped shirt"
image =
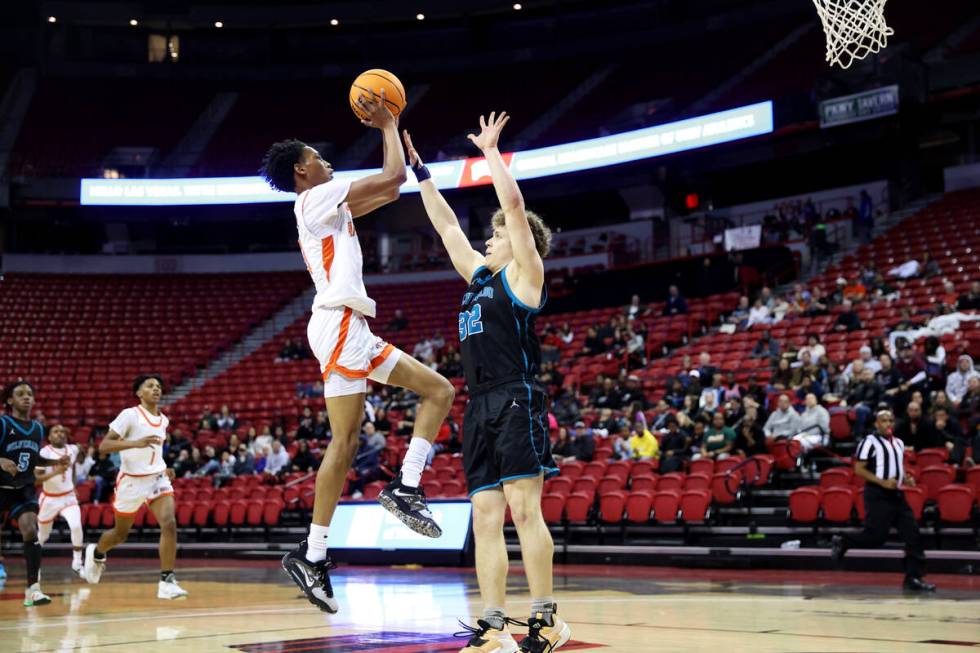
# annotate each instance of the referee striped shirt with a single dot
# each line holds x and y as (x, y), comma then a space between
(884, 456)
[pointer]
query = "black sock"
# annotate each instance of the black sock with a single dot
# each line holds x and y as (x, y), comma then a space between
(98, 555)
(32, 556)
(167, 576)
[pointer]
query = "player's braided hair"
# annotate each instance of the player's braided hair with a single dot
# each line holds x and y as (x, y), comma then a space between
(540, 231)
(278, 162)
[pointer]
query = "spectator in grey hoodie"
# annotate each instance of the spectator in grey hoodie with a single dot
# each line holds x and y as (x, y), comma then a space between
(816, 422)
(783, 422)
(956, 383)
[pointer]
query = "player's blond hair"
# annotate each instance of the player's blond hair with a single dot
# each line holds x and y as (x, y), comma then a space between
(540, 231)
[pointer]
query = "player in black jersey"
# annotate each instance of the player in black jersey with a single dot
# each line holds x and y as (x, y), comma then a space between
(20, 454)
(506, 448)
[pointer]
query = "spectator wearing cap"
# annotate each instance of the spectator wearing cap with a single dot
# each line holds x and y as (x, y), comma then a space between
(633, 392)
(675, 304)
(783, 422)
(848, 319)
(674, 448)
(583, 443)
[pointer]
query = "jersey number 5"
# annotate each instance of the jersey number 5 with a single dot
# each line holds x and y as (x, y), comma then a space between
(23, 462)
(469, 322)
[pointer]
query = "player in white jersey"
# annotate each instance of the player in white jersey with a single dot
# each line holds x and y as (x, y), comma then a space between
(342, 341)
(138, 434)
(58, 494)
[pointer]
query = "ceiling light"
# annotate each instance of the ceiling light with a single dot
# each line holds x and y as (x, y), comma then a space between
(52, 19)
(218, 24)
(419, 16)
(133, 22)
(334, 22)
(517, 6)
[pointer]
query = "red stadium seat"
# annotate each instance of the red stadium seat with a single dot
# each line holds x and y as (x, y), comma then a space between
(955, 503)
(445, 474)
(973, 478)
(272, 509)
(108, 515)
(553, 508)
(237, 512)
(151, 519)
(220, 513)
(619, 469)
(185, 514)
(804, 504)
(672, 481)
(837, 503)
(836, 476)
(372, 490)
(453, 489)
(666, 504)
(725, 487)
(728, 463)
(760, 470)
(695, 505)
(253, 513)
(644, 483)
(611, 507)
(931, 479)
(578, 506)
(840, 425)
(202, 510)
(643, 468)
(572, 470)
(560, 485)
(931, 456)
(916, 498)
(585, 485)
(702, 466)
(697, 482)
(611, 483)
(638, 506)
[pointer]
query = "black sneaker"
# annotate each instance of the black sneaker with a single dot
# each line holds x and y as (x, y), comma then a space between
(409, 506)
(544, 636)
(837, 549)
(312, 577)
(915, 584)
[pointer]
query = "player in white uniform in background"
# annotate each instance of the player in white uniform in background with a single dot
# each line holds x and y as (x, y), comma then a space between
(342, 341)
(138, 434)
(58, 494)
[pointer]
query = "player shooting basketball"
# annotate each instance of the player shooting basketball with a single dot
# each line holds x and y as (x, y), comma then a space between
(506, 448)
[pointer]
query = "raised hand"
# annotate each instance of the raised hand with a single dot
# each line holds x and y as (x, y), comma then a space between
(414, 159)
(489, 130)
(376, 110)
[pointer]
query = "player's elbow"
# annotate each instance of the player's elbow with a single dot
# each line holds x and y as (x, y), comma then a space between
(514, 205)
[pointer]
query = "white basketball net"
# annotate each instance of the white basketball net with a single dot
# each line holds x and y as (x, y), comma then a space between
(854, 29)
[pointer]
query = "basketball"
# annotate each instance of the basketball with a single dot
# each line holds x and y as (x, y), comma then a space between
(372, 82)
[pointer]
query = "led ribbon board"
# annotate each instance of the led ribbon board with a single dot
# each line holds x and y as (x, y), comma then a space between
(369, 526)
(680, 136)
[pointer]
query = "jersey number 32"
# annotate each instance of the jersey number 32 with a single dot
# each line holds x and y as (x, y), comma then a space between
(469, 322)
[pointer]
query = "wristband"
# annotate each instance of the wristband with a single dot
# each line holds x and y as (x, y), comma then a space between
(421, 172)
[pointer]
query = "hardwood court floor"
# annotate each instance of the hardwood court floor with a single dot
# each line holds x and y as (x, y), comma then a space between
(250, 606)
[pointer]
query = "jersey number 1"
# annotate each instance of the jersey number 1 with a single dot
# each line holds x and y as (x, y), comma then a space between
(469, 322)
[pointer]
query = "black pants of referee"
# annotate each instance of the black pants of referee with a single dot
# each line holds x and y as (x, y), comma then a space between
(884, 509)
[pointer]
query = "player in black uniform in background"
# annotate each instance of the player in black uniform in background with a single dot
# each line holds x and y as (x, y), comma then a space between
(20, 453)
(506, 448)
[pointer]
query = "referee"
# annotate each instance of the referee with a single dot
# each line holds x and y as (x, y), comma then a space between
(879, 462)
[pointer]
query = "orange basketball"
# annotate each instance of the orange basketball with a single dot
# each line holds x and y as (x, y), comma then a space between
(371, 82)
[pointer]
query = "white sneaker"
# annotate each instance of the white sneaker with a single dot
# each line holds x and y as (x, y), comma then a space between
(92, 569)
(170, 590)
(34, 596)
(76, 566)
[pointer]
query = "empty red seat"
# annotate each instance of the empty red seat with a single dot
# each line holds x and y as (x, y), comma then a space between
(453, 488)
(695, 505)
(638, 506)
(672, 481)
(836, 476)
(955, 503)
(804, 504)
(838, 503)
(552, 507)
(185, 514)
(611, 507)
(220, 512)
(644, 483)
(643, 468)
(931, 456)
(916, 498)
(237, 512)
(578, 506)
(697, 482)
(666, 504)
(931, 479)
(728, 463)
(585, 485)
(272, 509)
(573, 469)
(560, 485)
(611, 483)
(725, 486)
(973, 477)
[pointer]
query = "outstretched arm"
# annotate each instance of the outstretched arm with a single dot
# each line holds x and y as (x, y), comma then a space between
(511, 201)
(376, 190)
(465, 259)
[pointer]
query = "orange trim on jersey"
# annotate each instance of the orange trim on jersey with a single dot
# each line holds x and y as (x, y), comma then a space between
(326, 249)
(60, 494)
(162, 494)
(122, 474)
(147, 418)
(341, 339)
(124, 514)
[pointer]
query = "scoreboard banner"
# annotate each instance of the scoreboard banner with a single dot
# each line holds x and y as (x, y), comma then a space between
(867, 105)
(649, 142)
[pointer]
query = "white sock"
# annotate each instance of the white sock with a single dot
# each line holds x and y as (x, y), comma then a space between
(414, 463)
(316, 543)
(76, 556)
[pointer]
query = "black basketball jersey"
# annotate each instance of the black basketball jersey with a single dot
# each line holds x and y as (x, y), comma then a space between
(496, 333)
(20, 442)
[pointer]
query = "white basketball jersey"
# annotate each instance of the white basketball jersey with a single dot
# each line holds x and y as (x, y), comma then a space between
(61, 483)
(330, 247)
(135, 424)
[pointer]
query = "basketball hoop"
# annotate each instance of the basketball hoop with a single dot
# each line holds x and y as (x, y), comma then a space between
(854, 29)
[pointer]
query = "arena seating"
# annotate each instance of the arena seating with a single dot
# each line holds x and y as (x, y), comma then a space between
(82, 339)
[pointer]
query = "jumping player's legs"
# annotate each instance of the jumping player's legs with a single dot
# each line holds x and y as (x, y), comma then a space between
(537, 548)
(489, 508)
(345, 414)
(115, 535)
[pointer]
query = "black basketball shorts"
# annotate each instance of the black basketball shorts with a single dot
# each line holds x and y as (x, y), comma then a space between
(505, 437)
(17, 501)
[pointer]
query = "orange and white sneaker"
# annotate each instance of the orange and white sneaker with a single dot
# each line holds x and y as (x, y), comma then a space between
(487, 639)
(544, 637)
